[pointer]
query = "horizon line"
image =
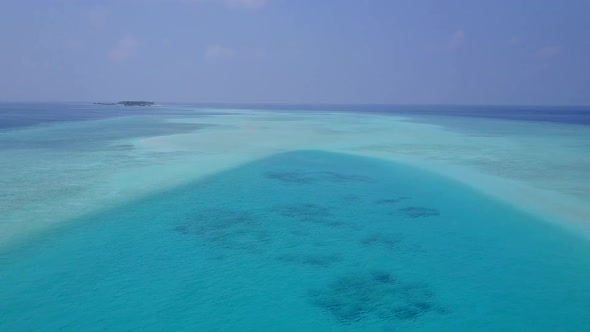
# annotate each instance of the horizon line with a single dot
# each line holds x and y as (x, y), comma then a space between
(272, 104)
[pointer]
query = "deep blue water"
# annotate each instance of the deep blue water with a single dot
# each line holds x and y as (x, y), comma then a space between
(13, 115)
(17, 115)
(301, 241)
(557, 114)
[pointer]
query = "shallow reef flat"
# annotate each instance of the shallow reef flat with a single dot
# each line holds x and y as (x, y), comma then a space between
(519, 162)
(301, 241)
(59, 171)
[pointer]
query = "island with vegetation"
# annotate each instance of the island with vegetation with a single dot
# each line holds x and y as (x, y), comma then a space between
(136, 103)
(130, 103)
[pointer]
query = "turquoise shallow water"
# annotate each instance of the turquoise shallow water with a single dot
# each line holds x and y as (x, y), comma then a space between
(302, 241)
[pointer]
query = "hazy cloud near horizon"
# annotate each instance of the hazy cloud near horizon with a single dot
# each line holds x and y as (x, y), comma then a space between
(306, 51)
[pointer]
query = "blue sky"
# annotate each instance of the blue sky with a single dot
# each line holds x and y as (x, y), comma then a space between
(297, 51)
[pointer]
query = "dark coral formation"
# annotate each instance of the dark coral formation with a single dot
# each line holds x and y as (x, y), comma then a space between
(418, 212)
(309, 212)
(384, 277)
(387, 241)
(376, 295)
(291, 177)
(302, 177)
(391, 200)
(232, 229)
(316, 260)
(341, 177)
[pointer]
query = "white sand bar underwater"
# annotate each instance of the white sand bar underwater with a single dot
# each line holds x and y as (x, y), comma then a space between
(543, 168)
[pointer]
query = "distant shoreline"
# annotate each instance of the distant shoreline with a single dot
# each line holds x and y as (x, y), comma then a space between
(129, 103)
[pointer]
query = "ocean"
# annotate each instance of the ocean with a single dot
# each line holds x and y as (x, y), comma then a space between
(302, 218)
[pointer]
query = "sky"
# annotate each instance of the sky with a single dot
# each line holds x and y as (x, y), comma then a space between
(534, 52)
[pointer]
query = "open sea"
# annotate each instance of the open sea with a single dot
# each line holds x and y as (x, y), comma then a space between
(300, 218)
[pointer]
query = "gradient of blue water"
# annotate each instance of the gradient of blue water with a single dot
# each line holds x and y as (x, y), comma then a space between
(15, 115)
(579, 115)
(19, 115)
(302, 241)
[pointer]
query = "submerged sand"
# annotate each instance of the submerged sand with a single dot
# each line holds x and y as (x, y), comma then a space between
(520, 169)
(525, 167)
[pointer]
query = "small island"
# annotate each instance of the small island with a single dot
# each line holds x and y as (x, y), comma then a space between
(130, 103)
(136, 103)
